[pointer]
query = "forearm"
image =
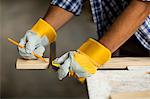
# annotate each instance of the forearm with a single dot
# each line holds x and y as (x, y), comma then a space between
(125, 25)
(57, 17)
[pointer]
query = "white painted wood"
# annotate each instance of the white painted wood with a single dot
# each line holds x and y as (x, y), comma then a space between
(105, 82)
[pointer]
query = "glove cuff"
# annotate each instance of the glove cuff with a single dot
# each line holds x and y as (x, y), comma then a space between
(42, 28)
(96, 51)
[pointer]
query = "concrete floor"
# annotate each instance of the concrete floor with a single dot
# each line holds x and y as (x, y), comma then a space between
(17, 17)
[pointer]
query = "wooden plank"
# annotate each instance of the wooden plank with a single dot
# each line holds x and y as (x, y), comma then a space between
(31, 64)
(131, 95)
(124, 62)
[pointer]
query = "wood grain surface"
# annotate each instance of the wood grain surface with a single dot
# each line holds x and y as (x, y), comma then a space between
(120, 62)
(131, 95)
(31, 64)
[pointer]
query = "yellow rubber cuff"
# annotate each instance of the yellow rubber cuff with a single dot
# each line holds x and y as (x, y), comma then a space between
(42, 28)
(96, 51)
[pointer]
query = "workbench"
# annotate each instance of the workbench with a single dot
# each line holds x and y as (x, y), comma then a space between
(121, 78)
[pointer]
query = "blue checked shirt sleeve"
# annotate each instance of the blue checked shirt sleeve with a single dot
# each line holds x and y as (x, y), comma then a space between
(73, 6)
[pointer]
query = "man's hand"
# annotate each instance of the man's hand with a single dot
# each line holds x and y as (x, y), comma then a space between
(32, 42)
(83, 62)
(36, 39)
(43, 33)
(69, 64)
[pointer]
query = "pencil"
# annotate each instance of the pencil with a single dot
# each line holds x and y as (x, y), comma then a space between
(16, 43)
(36, 55)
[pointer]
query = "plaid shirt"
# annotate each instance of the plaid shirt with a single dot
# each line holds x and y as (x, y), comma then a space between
(104, 13)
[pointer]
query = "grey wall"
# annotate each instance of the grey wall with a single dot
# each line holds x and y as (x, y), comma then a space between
(17, 17)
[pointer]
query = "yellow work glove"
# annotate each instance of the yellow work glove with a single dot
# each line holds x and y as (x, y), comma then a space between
(40, 35)
(84, 62)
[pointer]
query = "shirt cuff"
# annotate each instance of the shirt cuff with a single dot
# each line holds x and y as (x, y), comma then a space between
(73, 6)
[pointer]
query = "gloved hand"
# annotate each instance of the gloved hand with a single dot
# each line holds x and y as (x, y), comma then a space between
(41, 35)
(83, 62)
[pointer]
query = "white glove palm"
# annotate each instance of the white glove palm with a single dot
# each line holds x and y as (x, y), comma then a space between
(32, 42)
(68, 64)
